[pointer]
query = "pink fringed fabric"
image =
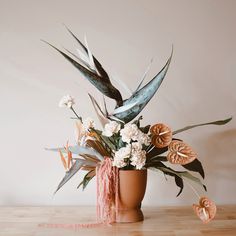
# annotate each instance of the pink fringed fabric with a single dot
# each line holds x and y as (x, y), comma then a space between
(107, 198)
(107, 191)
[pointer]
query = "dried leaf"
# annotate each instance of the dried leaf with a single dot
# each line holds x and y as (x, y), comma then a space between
(63, 160)
(98, 147)
(101, 116)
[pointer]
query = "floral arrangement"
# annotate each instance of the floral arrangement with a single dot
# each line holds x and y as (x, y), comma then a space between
(123, 139)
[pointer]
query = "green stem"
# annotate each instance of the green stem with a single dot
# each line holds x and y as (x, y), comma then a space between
(194, 190)
(79, 117)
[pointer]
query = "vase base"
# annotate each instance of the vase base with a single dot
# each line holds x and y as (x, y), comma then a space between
(129, 216)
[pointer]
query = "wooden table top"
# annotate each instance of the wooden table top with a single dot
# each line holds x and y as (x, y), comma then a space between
(161, 221)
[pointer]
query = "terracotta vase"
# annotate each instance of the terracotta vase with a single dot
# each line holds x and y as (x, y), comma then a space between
(132, 187)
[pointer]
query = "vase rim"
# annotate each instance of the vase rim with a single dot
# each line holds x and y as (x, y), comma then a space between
(134, 170)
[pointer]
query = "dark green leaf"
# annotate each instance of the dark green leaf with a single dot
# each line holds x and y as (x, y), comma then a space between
(103, 84)
(145, 129)
(97, 63)
(168, 171)
(181, 174)
(195, 166)
(89, 176)
(156, 158)
(156, 151)
(179, 182)
(218, 122)
(137, 122)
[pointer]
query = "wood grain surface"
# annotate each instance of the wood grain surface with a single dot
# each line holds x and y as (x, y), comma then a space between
(161, 221)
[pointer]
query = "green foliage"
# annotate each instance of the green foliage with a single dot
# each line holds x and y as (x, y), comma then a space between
(218, 122)
(89, 176)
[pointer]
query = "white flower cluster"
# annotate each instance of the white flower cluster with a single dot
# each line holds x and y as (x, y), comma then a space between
(132, 152)
(111, 128)
(66, 101)
(132, 133)
(121, 156)
(138, 156)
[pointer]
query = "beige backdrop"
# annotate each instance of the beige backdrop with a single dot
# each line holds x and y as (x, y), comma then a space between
(200, 86)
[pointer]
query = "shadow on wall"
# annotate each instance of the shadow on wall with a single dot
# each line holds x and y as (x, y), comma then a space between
(221, 165)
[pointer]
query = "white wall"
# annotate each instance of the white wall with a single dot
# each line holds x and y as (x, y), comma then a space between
(200, 86)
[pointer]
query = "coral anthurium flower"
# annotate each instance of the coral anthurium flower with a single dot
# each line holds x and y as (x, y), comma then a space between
(180, 153)
(206, 210)
(161, 135)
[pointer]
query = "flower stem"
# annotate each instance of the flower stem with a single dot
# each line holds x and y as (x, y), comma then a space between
(79, 117)
(194, 190)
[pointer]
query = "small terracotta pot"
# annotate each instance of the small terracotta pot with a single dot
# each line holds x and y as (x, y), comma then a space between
(132, 187)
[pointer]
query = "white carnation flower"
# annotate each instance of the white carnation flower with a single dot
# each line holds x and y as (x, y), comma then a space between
(111, 128)
(129, 132)
(144, 139)
(66, 101)
(88, 123)
(121, 155)
(138, 156)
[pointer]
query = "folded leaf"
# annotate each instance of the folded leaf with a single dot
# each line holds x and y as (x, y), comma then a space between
(218, 122)
(143, 96)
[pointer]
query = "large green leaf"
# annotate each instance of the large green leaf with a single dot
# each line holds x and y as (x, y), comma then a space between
(168, 171)
(218, 122)
(181, 174)
(70, 173)
(141, 97)
(103, 84)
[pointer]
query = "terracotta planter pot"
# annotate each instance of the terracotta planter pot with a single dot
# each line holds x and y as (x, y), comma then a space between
(132, 187)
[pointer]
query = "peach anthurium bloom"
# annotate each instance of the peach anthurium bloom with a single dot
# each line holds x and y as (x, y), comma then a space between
(180, 153)
(206, 210)
(161, 135)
